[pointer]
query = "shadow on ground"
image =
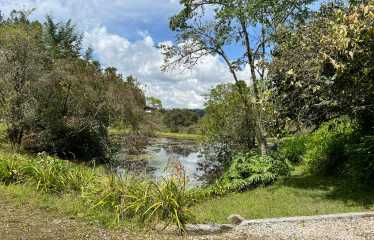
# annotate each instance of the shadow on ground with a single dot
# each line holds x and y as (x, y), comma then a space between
(335, 188)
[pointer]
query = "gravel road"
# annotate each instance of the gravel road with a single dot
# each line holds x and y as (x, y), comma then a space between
(328, 229)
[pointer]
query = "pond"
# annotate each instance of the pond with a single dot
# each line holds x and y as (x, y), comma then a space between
(163, 156)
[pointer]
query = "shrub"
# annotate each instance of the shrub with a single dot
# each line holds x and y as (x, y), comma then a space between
(10, 170)
(360, 163)
(246, 171)
(83, 143)
(293, 148)
(144, 201)
(325, 152)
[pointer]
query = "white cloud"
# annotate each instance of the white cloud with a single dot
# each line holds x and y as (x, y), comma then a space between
(179, 88)
(91, 13)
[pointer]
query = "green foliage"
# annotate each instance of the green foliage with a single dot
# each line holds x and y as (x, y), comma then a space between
(227, 125)
(255, 170)
(324, 68)
(53, 99)
(325, 147)
(130, 199)
(292, 148)
(247, 171)
(145, 201)
(48, 174)
(57, 176)
(178, 120)
(10, 171)
(360, 160)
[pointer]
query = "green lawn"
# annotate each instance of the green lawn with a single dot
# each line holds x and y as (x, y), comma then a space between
(295, 196)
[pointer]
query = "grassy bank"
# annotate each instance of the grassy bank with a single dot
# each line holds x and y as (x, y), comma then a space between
(70, 205)
(294, 196)
(180, 136)
(91, 193)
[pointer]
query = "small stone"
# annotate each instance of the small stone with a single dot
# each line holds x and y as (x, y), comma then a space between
(235, 219)
(206, 229)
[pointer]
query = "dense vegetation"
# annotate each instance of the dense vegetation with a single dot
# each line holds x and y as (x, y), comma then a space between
(308, 110)
(54, 97)
(314, 103)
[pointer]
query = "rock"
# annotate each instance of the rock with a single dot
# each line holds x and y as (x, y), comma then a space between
(205, 229)
(235, 219)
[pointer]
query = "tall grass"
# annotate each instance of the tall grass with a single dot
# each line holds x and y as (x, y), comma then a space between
(144, 201)
(47, 173)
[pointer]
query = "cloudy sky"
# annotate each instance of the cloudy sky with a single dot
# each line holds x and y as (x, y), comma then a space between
(123, 34)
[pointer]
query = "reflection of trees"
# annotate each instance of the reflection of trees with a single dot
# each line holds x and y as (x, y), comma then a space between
(210, 171)
(172, 155)
(181, 149)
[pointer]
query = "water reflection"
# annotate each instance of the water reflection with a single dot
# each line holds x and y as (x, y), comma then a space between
(162, 156)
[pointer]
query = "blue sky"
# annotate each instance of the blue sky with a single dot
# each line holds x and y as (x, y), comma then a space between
(124, 33)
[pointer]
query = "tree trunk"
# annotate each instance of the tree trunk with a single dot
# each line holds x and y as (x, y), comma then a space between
(261, 139)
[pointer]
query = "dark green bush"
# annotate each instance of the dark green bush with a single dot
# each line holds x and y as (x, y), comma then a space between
(325, 154)
(360, 163)
(293, 148)
(73, 142)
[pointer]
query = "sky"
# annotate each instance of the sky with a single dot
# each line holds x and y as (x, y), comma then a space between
(124, 34)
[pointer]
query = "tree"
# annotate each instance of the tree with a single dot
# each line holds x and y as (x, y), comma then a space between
(22, 62)
(55, 100)
(178, 119)
(234, 23)
(60, 39)
(225, 120)
(324, 69)
(154, 103)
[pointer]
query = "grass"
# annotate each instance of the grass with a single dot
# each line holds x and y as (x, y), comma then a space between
(180, 136)
(70, 205)
(114, 131)
(294, 196)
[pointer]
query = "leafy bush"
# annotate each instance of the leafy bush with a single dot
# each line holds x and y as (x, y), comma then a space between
(83, 143)
(246, 171)
(325, 152)
(293, 148)
(360, 163)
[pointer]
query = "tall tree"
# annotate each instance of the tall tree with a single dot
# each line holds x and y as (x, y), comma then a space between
(244, 24)
(22, 61)
(61, 38)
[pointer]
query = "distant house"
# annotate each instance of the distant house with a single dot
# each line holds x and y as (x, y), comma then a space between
(149, 109)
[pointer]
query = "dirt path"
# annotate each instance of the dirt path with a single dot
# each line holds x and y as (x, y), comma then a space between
(17, 223)
(23, 223)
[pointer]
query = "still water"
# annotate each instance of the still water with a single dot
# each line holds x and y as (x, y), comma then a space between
(162, 157)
